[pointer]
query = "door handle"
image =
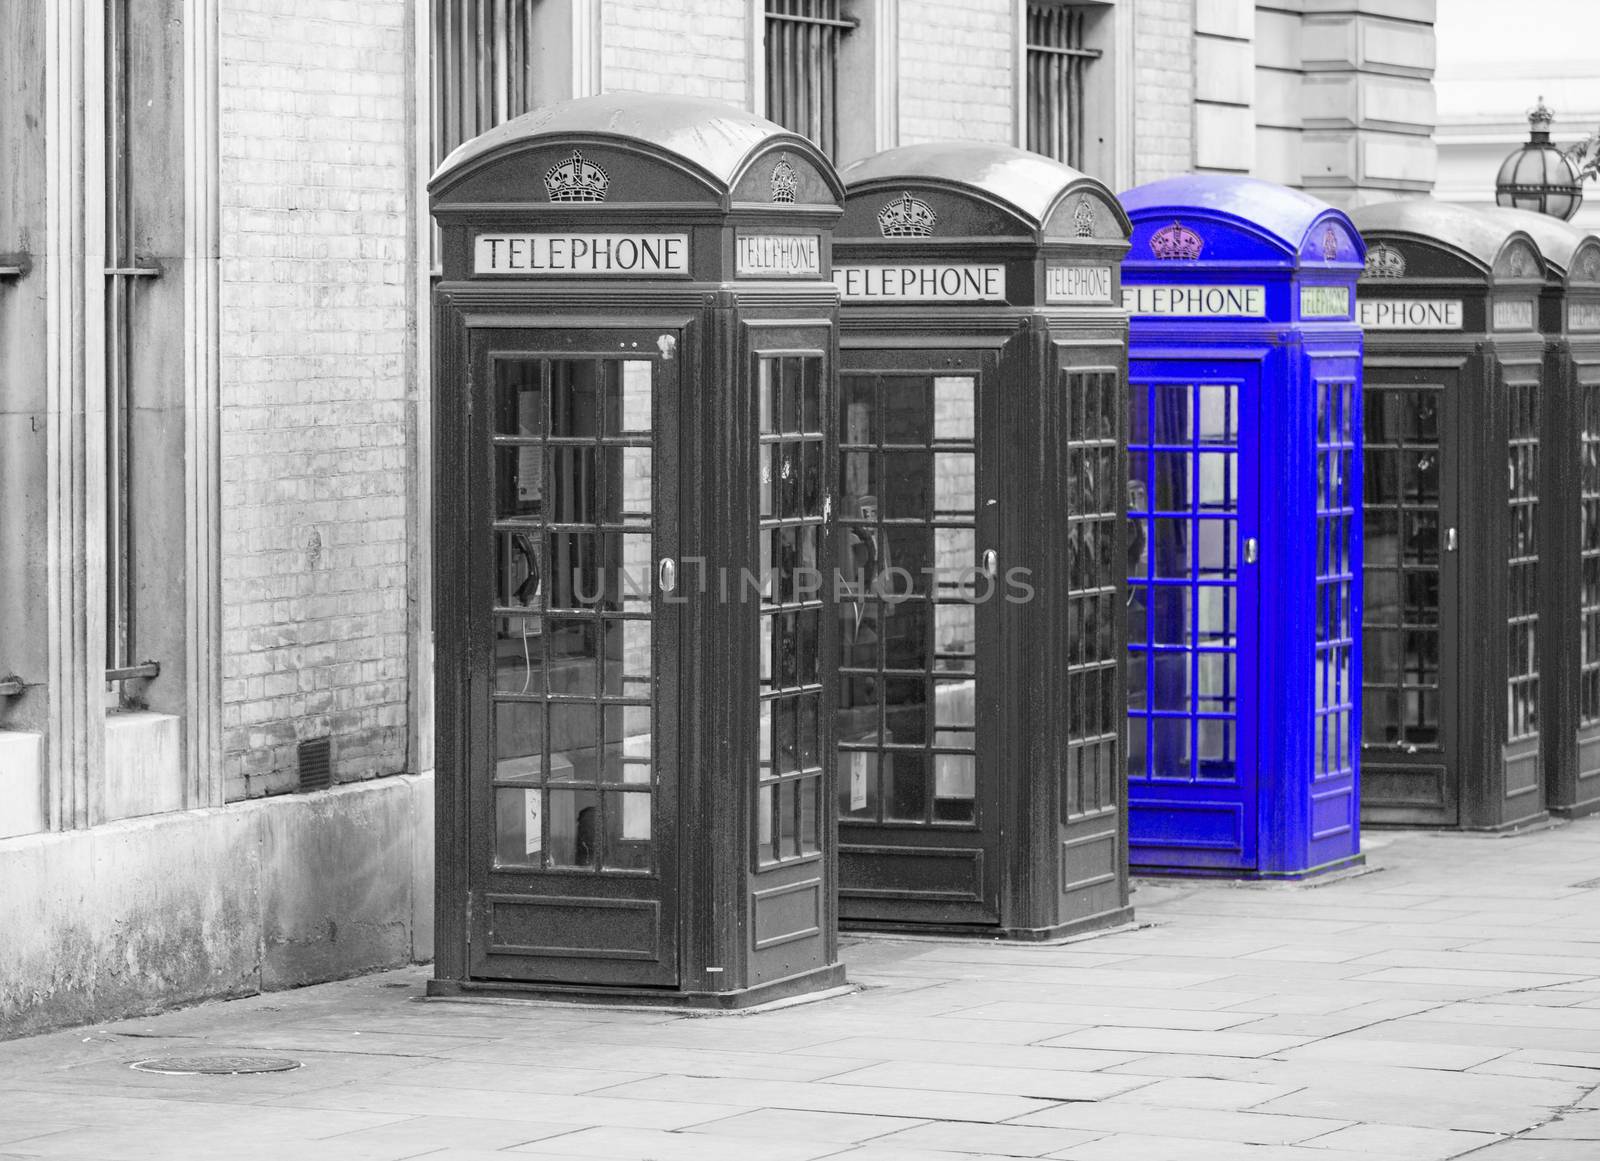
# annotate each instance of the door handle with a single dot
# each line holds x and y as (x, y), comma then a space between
(1252, 550)
(667, 574)
(1450, 539)
(991, 562)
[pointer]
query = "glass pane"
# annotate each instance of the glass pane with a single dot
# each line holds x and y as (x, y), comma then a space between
(572, 492)
(907, 418)
(810, 791)
(856, 411)
(858, 783)
(519, 741)
(574, 824)
(519, 571)
(954, 407)
(766, 397)
(628, 831)
(572, 652)
(764, 801)
(1219, 418)
(953, 786)
(626, 756)
(810, 733)
(905, 710)
(628, 485)
(627, 401)
(955, 629)
(518, 826)
(955, 704)
(573, 397)
(519, 403)
(906, 774)
(518, 482)
(955, 483)
(789, 405)
(789, 819)
(811, 395)
(573, 741)
(627, 661)
(519, 655)
(907, 485)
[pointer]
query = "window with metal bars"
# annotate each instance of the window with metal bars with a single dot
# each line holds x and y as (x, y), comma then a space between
(482, 67)
(802, 67)
(1057, 62)
(124, 272)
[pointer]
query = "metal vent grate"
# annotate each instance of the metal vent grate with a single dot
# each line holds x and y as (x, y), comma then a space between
(315, 756)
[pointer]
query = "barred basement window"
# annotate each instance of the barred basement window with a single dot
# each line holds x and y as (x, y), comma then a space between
(482, 67)
(1057, 61)
(802, 67)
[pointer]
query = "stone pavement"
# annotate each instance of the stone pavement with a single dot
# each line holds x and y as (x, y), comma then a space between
(1445, 1004)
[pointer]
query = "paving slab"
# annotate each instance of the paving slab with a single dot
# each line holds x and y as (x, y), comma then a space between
(804, 1124)
(1403, 1141)
(1198, 1124)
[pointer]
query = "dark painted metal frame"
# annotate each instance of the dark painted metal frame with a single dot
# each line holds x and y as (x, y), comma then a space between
(1034, 867)
(1476, 779)
(744, 933)
(1278, 816)
(1569, 534)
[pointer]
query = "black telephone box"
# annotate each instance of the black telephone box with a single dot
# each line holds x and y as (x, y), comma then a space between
(634, 360)
(981, 485)
(1453, 642)
(1569, 317)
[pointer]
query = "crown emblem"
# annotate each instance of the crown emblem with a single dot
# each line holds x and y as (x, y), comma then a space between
(1591, 267)
(1384, 261)
(1521, 263)
(907, 217)
(784, 181)
(1176, 241)
(576, 180)
(1083, 217)
(1330, 244)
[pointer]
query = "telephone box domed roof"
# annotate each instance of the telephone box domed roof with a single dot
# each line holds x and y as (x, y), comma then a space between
(1029, 184)
(1287, 218)
(715, 140)
(1558, 241)
(1491, 243)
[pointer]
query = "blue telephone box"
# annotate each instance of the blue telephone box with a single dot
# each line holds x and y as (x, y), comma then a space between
(1245, 511)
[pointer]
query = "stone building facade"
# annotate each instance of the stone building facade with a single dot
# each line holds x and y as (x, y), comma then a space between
(215, 667)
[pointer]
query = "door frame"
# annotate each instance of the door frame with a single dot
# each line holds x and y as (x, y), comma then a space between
(1449, 375)
(493, 890)
(1248, 370)
(925, 850)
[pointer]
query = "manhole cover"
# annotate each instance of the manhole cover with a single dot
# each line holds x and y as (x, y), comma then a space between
(214, 1065)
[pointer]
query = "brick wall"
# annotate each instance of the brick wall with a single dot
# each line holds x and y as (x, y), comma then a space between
(956, 70)
(1163, 88)
(694, 48)
(315, 333)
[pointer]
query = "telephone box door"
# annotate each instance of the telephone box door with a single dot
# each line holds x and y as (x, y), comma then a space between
(1410, 771)
(919, 806)
(572, 795)
(1194, 614)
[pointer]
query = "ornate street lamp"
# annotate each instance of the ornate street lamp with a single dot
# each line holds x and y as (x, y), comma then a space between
(1539, 176)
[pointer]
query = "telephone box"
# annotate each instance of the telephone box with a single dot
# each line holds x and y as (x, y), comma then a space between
(1245, 437)
(1569, 687)
(1451, 729)
(983, 351)
(634, 373)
